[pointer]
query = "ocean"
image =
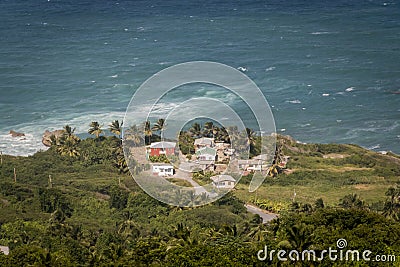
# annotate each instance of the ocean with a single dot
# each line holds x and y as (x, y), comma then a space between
(330, 70)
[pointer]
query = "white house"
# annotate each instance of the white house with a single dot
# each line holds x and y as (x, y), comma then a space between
(4, 250)
(252, 165)
(203, 142)
(163, 169)
(206, 153)
(223, 181)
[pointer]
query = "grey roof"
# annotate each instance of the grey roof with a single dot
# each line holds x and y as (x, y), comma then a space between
(162, 165)
(163, 145)
(204, 141)
(250, 161)
(221, 178)
(262, 157)
(206, 151)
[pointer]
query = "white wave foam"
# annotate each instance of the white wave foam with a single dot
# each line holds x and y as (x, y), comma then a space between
(349, 89)
(374, 147)
(294, 101)
(32, 141)
(242, 69)
(20, 146)
(319, 33)
(114, 76)
(270, 69)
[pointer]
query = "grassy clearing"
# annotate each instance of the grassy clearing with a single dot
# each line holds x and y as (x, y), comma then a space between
(180, 182)
(329, 172)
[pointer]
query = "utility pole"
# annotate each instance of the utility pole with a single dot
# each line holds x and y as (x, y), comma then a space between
(50, 182)
(15, 176)
(294, 195)
(1, 157)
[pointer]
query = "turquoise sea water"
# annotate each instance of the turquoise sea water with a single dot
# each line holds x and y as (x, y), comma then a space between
(329, 69)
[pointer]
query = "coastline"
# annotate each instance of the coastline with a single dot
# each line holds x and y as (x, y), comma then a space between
(33, 144)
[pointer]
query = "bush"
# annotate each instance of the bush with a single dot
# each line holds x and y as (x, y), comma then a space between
(118, 198)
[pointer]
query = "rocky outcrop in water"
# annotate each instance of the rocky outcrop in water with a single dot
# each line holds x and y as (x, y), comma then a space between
(46, 140)
(16, 134)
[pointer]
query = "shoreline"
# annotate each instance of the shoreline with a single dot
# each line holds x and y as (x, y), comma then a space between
(30, 139)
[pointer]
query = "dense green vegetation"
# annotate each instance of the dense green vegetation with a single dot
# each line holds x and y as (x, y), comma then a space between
(84, 209)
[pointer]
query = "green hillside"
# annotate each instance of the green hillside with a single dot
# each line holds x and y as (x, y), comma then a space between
(83, 209)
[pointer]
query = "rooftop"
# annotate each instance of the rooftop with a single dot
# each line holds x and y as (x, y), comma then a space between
(221, 178)
(206, 151)
(204, 141)
(163, 145)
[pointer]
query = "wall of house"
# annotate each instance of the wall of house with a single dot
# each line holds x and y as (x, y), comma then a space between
(206, 157)
(156, 151)
(167, 170)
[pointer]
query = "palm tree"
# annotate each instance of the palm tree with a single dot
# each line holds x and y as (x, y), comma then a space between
(159, 126)
(95, 129)
(134, 135)
(351, 201)
(67, 143)
(186, 142)
(299, 237)
(279, 156)
(121, 164)
(258, 233)
(68, 147)
(195, 130)
(116, 128)
(221, 134)
(208, 129)
(68, 131)
(147, 132)
(392, 204)
(234, 135)
(275, 168)
(252, 138)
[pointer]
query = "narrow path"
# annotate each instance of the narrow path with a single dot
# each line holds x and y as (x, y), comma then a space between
(186, 176)
(266, 216)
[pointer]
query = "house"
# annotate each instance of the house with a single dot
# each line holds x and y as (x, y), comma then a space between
(229, 151)
(4, 250)
(206, 153)
(206, 165)
(163, 170)
(162, 148)
(263, 157)
(203, 142)
(223, 181)
(252, 165)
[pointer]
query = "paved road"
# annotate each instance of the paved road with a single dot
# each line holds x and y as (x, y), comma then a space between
(187, 176)
(267, 217)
